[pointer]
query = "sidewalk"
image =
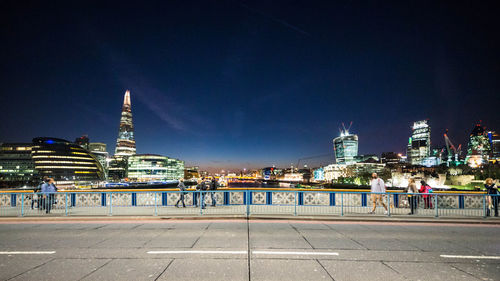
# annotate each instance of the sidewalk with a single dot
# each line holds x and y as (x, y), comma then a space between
(347, 218)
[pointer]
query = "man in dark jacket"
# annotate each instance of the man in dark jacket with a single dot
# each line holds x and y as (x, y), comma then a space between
(36, 194)
(203, 189)
(200, 190)
(213, 186)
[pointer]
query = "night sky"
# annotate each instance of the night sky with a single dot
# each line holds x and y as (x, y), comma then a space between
(247, 84)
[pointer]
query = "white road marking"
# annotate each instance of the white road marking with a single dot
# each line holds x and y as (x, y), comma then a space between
(471, 257)
(28, 253)
(198, 252)
(295, 253)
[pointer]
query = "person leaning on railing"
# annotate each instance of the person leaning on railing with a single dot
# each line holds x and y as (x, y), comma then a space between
(412, 195)
(213, 186)
(426, 189)
(492, 191)
(36, 194)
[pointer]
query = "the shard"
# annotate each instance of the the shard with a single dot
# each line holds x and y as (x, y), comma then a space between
(125, 143)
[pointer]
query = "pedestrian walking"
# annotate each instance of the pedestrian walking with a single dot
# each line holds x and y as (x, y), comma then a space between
(182, 193)
(412, 191)
(492, 191)
(426, 189)
(48, 192)
(377, 192)
(213, 187)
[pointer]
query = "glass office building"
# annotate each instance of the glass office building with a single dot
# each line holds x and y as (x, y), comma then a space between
(346, 148)
(152, 167)
(16, 165)
(98, 149)
(495, 146)
(419, 144)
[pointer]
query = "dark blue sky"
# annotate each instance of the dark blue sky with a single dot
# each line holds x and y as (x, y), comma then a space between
(243, 84)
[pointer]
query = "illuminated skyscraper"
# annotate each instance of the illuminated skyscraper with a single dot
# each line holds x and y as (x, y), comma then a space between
(419, 144)
(495, 146)
(345, 147)
(479, 149)
(125, 144)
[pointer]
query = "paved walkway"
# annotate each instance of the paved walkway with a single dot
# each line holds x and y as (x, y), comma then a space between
(155, 249)
(240, 210)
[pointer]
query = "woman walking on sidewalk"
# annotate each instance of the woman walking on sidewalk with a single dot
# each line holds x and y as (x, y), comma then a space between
(412, 198)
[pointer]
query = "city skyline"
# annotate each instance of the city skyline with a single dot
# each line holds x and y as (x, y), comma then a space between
(266, 93)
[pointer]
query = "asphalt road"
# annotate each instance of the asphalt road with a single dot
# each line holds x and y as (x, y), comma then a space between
(248, 250)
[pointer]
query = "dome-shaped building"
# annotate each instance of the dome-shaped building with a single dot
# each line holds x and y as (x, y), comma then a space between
(65, 161)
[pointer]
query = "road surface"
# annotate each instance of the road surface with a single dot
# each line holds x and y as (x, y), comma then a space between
(247, 250)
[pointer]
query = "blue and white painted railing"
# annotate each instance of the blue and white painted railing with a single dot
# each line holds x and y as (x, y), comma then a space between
(244, 202)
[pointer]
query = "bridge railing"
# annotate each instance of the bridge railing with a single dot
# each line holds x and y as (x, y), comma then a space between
(241, 202)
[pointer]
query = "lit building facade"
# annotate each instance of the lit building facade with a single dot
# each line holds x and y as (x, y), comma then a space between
(117, 169)
(366, 168)
(319, 174)
(334, 171)
(125, 143)
(68, 163)
(366, 157)
(419, 144)
(65, 161)
(479, 148)
(191, 172)
(270, 173)
(391, 158)
(346, 148)
(151, 167)
(431, 161)
(100, 152)
(293, 177)
(495, 146)
(16, 165)
(97, 147)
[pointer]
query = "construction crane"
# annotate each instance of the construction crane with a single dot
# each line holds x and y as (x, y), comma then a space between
(453, 152)
(311, 157)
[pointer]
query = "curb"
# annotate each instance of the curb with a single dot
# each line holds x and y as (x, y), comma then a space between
(252, 217)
